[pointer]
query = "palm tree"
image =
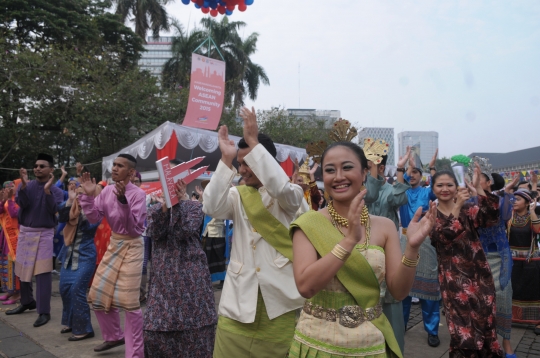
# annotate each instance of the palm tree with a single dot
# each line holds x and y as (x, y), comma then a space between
(147, 14)
(242, 75)
(177, 70)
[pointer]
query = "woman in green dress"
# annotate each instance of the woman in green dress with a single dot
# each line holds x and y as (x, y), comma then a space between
(341, 255)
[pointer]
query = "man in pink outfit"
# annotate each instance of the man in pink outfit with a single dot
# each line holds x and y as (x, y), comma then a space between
(118, 276)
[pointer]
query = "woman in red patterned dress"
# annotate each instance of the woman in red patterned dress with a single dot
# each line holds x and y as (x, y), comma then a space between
(466, 282)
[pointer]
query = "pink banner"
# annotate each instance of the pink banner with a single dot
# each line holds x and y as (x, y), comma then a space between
(206, 93)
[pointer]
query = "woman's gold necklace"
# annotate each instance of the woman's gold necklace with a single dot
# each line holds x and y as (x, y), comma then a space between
(339, 221)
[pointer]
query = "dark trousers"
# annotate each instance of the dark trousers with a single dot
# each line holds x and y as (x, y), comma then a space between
(43, 292)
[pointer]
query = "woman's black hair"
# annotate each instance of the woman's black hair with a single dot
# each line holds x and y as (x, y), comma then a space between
(497, 183)
(359, 152)
(441, 173)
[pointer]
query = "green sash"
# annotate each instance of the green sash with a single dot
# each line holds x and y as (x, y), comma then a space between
(356, 274)
(270, 228)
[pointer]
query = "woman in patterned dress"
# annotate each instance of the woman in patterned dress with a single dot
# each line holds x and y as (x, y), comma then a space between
(467, 287)
(523, 229)
(9, 233)
(78, 258)
(340, 261)
(180, 319)
(494, 241)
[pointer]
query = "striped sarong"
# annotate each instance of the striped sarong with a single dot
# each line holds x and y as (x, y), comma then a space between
(118, 276)
(503, 297)
(426, 280)
(34, 252)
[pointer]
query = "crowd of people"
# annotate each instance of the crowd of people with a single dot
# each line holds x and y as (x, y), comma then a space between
(309, 273)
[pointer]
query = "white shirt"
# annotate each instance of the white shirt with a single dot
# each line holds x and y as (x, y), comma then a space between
(254, 262)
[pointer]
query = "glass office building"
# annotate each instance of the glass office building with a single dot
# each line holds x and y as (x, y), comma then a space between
(425, 144)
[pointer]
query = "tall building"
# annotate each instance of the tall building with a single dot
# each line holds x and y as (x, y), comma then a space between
(425, 144)
(386, 134)
(330, 116)
(158, 51)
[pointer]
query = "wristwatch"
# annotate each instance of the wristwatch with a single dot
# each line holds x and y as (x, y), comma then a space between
(401, 170)
(432, 168)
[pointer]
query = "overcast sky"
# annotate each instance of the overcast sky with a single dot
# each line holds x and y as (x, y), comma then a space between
(468, 69)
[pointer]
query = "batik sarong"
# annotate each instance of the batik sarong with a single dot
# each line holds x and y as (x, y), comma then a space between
(34, 252)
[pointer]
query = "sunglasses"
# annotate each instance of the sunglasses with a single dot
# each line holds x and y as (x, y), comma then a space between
(41, 166)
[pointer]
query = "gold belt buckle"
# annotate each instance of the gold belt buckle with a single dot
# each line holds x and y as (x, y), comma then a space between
(404, 230)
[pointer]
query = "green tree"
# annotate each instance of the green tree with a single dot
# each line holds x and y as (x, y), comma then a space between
(146, 14)
(177, 70)
(443, 164)
(243, 76)
(286, 129)
(72, 87)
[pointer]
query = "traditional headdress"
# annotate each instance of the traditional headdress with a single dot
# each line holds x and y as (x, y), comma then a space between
(75, 180)
(525, 194)
(341, 132)
(485, 167)
(46, 157)
(375, 149)
(6, 183)
(304, 171)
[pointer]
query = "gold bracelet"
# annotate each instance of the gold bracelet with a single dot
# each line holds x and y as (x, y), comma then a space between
(340, 252)
(410, 263)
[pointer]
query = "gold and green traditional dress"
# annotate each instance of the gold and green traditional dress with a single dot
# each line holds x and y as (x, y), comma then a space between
(345, 319)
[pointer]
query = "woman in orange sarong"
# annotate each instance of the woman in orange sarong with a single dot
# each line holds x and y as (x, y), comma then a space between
(9, 235)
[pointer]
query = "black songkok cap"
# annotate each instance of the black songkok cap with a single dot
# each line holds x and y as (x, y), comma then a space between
(46, 157)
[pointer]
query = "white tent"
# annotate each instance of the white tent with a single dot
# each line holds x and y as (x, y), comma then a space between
(192, 143)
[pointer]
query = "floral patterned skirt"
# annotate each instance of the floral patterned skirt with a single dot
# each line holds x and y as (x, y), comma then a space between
(191, 343)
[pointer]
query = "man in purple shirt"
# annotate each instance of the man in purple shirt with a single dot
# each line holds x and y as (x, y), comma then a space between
(118, 276)
(38, 200)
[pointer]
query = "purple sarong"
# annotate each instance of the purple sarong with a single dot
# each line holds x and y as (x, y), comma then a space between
(34, 252)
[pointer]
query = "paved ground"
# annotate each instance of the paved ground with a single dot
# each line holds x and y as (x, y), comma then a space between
(18, 338)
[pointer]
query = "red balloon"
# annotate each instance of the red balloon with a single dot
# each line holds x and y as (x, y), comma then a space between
(205, 10)
(242, 7)
(231, 6)
(221, 9)
(213, 12)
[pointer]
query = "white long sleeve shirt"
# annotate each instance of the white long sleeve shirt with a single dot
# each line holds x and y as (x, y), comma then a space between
(254, 262)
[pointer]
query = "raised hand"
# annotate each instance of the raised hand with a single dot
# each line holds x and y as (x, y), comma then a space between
(180, 189)
(532, 205)
(88, 185)
(476, 175)
(472, 190)
(434, 159)
(314, 168)
(63, 169)
(199, 190)
(120, 192)
(72, 196)
(3, 196)
(226, 146)
(24, 177)
(49, 184)
(418, 230)
(356, 233)
(403, 160)
(512, 184)
(462, 196)
(251, 129)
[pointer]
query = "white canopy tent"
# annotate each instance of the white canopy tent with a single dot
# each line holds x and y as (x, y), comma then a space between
(192, 143)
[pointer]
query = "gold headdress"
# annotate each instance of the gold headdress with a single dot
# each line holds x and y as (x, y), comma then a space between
(304, 171)
(341, 132)
(375, 149)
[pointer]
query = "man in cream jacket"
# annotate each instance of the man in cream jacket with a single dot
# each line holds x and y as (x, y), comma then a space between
(259, 298)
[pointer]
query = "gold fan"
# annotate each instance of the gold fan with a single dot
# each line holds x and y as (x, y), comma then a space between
(315, 150)
(374, 149)
(342, 131)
